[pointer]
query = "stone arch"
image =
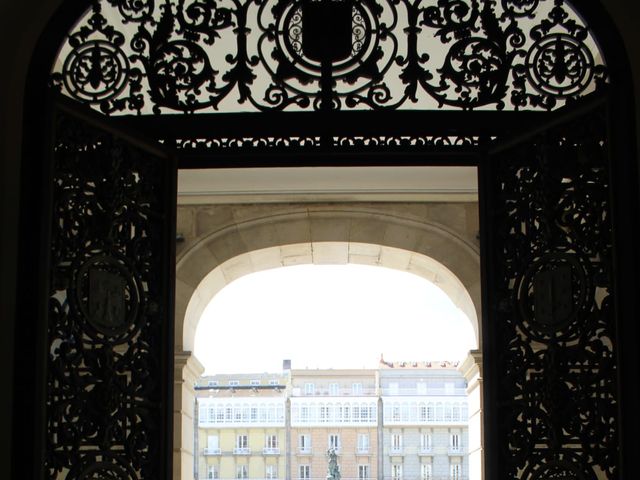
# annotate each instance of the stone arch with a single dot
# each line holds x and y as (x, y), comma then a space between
(347, 235)
(279, 236)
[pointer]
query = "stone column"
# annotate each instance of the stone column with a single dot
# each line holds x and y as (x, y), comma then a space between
(471, 368)
(187, 369)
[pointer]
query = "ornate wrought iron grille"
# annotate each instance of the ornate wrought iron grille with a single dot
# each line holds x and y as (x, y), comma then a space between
(166, 56)
(553, 305)
(109, 313)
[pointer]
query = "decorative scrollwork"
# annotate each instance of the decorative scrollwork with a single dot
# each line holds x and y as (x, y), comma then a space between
(552, 295)
(556, 333)
(474, 73)
(135, 10)
(108, 295)
(309, 143)
(99, 467)
(212, 55)
(520, 8)
(560, 65)
(105, 411)
(565, 467)
(245, 143)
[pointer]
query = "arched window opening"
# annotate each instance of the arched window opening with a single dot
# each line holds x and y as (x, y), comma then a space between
(254, 56)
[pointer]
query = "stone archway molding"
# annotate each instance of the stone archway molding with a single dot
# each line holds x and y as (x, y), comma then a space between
(427, 249)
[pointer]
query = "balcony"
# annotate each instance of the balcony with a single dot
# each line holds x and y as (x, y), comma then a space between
(410, 392)
(396, 451)
(271, 451)
(425, 450)
(457, 450)
(304, 450)
(242, 451)
(212, 451)
(363, 450)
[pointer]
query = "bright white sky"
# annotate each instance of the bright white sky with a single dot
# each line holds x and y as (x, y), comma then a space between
(329, 317)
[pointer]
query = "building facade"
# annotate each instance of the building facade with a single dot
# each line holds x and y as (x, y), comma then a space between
(241, 427)
(402, 421)
(424, 422)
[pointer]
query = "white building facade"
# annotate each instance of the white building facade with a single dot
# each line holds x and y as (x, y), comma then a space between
(402, 421)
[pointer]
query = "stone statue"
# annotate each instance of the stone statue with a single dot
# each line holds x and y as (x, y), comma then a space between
(333, 472)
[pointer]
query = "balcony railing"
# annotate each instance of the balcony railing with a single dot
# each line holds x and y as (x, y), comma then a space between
(425, 450)
(242, 451)
(430, 391)
(363, 450)
(212, 451)
(396, 451)
(271, 451)
(404, 477)
(304, 450)
(455, 450)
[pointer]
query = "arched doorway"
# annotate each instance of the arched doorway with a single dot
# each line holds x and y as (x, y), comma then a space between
(236, 240)
(544, 461)
(325, 253)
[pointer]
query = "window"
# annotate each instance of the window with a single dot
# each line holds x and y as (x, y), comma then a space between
(274, 382)
(271, 472)
(363, 443)
(396, 471)
(241, 472)
(304, 443)
(396, 443)
(454, 441)
(456, 471)
(271, 444)
(422, 413)
(254, 383)
(448, 413)
(425, 442)
(309, 389)
(426, 471)
(304, 472)
(334, 441)
(334, 389)
(242, 444)
(356, 389)
(456, 413)
(449, 388)
(363, 472)
(234, 383)
(395, 413)
(212, 383)
(212, 472)
(213, 445)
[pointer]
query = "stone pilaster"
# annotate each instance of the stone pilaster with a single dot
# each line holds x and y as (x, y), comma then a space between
(187, 369)
(471, 368)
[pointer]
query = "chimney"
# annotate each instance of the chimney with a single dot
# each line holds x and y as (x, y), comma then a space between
(286, 366)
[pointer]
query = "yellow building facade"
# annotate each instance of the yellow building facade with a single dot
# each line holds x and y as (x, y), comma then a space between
(241, 428)
(398, 422)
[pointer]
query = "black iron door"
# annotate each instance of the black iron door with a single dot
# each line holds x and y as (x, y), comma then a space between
(550, 321)
(110, 317)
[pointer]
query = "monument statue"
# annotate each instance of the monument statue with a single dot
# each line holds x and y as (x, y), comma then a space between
(333, 472)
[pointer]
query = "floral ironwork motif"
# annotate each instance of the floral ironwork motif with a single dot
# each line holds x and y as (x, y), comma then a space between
(190, 56)
(105, 400)
(554, 305)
